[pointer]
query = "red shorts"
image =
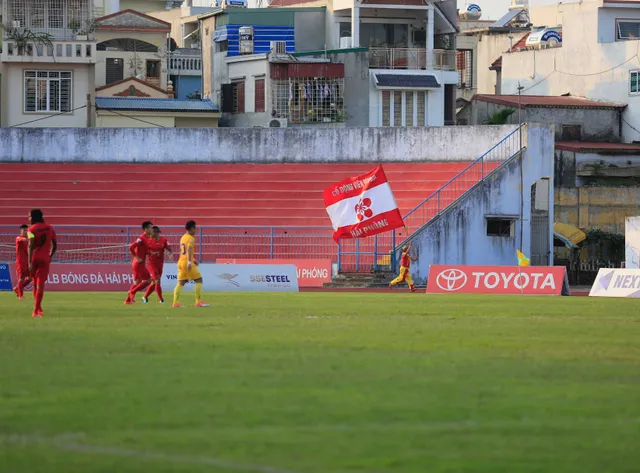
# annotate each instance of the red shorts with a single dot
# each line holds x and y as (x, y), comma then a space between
(155, 269)
(22, 270)
(40, 272)
(140, 272)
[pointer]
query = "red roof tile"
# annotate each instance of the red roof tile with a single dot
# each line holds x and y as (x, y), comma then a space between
(546, 101)
(497, 64)
(580, 146)
(521, 44)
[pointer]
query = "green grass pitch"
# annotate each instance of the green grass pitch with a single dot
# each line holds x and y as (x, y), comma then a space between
(320, 383)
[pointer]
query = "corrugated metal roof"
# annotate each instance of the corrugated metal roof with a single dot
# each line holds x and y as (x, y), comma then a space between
(160, 105)
(581, 146)
(407, 80)
(546, 101)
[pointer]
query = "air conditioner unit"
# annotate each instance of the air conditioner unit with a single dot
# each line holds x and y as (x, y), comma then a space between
(278, 47)
(277, 123)
(15, 23)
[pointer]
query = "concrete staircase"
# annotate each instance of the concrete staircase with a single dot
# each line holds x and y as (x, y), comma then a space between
(361, 280)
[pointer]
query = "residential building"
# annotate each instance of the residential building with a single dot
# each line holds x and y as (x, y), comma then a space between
(184, 24)
(237, 72)
(480, 45)
(119, 112)
(47, 63)
(412, 59)
(409, 72)
(133, 87)
(108, 7)
(598, 57)
(131, 44)
(185, 72)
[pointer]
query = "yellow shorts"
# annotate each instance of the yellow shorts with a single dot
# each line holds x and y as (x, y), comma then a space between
(185, 275)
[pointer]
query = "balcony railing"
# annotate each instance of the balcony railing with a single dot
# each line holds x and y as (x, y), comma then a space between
(411, 58)
(190, 65)
(79, 52)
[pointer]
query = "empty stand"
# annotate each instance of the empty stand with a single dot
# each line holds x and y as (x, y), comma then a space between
(213, 195)
(239, 199)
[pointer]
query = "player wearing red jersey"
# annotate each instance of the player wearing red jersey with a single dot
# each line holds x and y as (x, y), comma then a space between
(139, 250)
(158, 246)
(22, 261)
(42, 246)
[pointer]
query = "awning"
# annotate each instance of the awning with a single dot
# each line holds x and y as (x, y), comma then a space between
(406, 81)
(568, 234)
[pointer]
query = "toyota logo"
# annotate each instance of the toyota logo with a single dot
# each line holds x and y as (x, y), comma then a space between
(451, 280)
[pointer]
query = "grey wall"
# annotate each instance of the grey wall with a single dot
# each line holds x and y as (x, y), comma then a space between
(597, 124)
(249, 144)
(459, 236)
(309, 30)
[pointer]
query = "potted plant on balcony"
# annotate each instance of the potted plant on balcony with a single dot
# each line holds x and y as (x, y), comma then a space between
(81, 33)
(24, 40)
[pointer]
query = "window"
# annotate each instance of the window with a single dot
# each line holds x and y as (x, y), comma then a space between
(238, 97)
(571, 132)
(308, 99)
(634, 77)
(414, 107)
(501, 226)
(47, 91)
(386, 108)
(464, 59)
(397, 108)
(259, 95)
(153, 68)
(114, 70)
(408, 112)
(627, 30)
(380, 35)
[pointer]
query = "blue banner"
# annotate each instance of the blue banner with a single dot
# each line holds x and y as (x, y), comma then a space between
(5, 278)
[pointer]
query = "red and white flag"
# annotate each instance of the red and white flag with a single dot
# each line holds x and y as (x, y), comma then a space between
(362, 206)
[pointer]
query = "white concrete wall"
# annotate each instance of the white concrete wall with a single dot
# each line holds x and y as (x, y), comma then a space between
(435, 97)
(13, 101)
(262, 145)
(632, 242)
(248, 70)
(491, 48)
(582, 66)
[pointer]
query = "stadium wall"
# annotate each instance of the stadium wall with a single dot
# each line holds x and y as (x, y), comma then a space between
(459, 236)
(256, 145)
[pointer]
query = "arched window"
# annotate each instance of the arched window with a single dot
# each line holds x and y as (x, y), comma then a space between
(127, 45)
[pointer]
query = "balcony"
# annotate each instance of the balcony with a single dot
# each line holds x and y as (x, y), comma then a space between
(411, 58)
(185, 65)
(65, 52)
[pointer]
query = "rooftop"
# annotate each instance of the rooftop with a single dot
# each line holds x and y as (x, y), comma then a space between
(155, 105)
(523, 101)
(582, 146)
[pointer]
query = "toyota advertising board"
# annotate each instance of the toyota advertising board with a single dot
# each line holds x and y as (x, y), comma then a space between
(530, 280)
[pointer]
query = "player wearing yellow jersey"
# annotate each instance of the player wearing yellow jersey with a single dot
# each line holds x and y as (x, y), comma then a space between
(188, 266)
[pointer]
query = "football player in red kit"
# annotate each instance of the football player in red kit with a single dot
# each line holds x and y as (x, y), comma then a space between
(22, 261)
(139, 250)
(158, 245)
(42, 246)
